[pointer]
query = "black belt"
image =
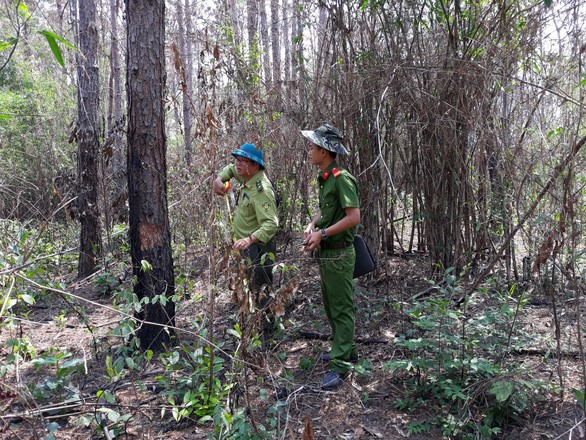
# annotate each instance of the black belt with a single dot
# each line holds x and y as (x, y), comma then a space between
(334, 245)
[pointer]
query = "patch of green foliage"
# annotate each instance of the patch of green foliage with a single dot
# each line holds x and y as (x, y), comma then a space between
(456, 359)
(193, 381)
(196, 382)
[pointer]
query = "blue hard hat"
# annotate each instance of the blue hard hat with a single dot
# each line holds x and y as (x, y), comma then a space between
(250, 151)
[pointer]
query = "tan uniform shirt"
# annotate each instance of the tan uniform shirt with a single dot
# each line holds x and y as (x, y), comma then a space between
(256, 213)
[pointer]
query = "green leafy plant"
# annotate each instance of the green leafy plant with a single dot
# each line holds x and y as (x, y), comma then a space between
(237, 426)
(579, 395)
(306, 363)
(66, 371)
(408, 404)
(107, 420)
(21, 348)
(116, 422)
(128, 303)
(417, 427)
(193, 381)
(457, 359)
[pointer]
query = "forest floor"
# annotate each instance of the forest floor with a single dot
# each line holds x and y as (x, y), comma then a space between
(281, 384)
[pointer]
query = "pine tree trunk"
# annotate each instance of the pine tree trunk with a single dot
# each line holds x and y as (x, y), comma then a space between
(182, 16)
(150, 239)
(266, 53)
(276, 47)
(235, 23)
(299, 66)
(252, 24)
(189, 65)
(287, 51)
(115, 128)
(88, 143)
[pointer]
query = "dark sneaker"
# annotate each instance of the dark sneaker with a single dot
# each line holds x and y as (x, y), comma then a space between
(325, 358)
(332, 379)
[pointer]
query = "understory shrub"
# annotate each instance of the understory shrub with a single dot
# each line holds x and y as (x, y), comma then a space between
(458, 358)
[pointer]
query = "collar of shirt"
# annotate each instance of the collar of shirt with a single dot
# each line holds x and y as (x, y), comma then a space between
(328, 171)
(251, 183)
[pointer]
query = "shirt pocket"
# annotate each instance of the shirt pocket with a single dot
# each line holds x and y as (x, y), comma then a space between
(329, 200)
(328, 209)
(247, 207)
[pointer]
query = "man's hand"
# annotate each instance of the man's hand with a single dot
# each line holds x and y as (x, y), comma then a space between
(219, 187)
(309, 243)
(243, 243)
(308, 231)
(312, 241)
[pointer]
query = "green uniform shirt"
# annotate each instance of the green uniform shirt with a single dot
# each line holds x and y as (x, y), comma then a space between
(256, 213)
(337, 191)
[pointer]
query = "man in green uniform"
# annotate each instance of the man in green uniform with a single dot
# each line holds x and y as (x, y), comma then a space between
(332, 232)
(255, 220)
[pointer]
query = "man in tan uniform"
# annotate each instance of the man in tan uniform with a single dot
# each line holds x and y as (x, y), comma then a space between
(255, 220)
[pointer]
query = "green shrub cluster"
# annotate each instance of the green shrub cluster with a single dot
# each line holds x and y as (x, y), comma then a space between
(457, 358)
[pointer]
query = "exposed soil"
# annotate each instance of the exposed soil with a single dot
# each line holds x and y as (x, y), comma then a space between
(285, 373)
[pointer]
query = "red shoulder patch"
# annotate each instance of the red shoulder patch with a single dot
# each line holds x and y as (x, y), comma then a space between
(325, 175)
(336, 172)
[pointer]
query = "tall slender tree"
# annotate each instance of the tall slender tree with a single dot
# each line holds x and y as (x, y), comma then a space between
(276, 26)
(287, 38)
(189, 16)
(87, 136)
(252, 23)
(266, 52)
(115, 121)
(150, 239)
(181, 61)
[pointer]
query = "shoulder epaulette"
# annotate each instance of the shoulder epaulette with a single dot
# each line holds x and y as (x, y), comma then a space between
(336, 172)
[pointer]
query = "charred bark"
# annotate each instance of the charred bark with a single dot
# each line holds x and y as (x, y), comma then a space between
(150, 239)
(88, 142)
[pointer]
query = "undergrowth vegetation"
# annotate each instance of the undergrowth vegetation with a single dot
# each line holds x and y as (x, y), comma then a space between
(194, 375)
(458, 358)
(457, 355)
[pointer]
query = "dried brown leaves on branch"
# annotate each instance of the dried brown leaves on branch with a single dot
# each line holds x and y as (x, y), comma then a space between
(238, 284)
(308, 430)
(543, 254)
(283, 297)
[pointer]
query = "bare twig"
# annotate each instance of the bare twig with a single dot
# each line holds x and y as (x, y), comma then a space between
(557, 172)
(36, 260)
(569, 431)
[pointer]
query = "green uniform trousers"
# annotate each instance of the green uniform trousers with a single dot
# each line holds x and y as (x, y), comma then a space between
(336, 267)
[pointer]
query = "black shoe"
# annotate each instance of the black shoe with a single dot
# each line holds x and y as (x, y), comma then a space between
(325, 358)
(332, 379)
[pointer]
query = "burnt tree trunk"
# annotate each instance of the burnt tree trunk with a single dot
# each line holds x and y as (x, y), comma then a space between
(150, 239)
(88, 142)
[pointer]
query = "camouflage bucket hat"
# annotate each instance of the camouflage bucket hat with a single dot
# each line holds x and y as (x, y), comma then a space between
(327, 136)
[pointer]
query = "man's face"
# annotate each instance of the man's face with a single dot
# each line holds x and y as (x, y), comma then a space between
(246, 168)
(315, 154)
